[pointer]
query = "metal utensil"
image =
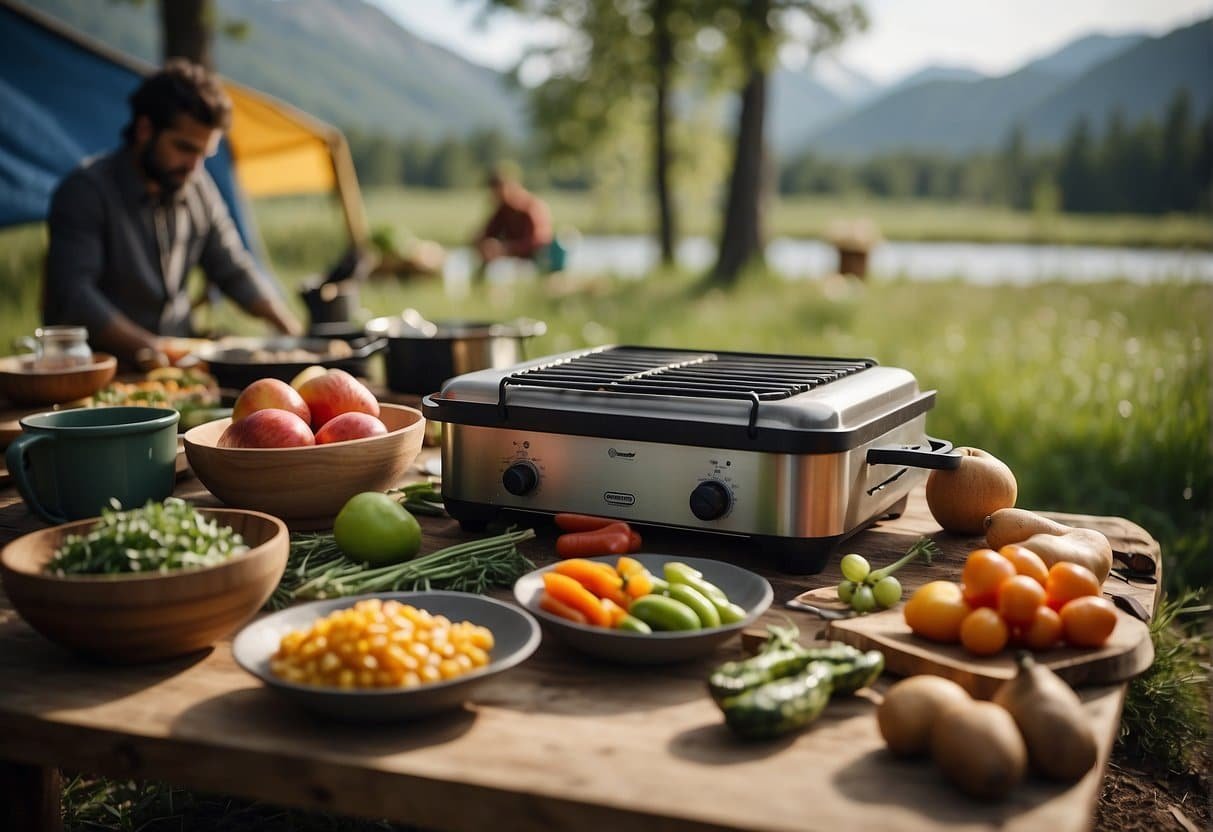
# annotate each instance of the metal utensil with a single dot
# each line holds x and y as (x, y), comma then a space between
(1130, 605)
(1140, 563)
(823, 612)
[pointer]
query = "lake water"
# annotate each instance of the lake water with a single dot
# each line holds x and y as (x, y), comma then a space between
(981, 263)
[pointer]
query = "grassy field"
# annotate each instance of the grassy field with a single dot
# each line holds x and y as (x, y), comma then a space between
(1097, 396)
(452, 217)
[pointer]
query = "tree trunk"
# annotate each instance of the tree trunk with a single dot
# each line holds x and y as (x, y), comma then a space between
(742, 238)
(185, 27)
(663, 57)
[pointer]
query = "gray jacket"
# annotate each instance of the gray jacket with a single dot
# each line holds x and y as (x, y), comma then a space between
(113, 248)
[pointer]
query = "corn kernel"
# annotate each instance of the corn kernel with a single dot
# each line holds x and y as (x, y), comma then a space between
(373, 644)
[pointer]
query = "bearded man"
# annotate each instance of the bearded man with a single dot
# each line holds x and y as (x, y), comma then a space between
(126, 228)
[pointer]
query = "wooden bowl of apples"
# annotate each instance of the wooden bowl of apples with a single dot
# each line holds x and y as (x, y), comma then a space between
(300, 454)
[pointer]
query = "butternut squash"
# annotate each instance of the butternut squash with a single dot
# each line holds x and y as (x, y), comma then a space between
(1051, 719)
(1051, 540)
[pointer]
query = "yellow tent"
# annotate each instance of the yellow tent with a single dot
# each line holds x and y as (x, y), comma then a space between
(280, 150)
(276, 149)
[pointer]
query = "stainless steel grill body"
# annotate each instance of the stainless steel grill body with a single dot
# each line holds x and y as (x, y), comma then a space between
(794, 467)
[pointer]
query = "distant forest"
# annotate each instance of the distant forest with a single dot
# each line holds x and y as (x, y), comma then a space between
(1145, 168)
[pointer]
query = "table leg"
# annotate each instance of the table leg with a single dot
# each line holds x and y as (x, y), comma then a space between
(29, 798)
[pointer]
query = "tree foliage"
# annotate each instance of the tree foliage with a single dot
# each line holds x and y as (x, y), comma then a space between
(1140, 169)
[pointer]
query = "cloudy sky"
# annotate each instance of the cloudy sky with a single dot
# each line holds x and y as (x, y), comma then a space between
(993, 36)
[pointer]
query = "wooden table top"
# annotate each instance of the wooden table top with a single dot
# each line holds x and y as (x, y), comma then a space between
(560, 741)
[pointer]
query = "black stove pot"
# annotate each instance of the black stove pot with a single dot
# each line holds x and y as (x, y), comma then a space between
(420, 359)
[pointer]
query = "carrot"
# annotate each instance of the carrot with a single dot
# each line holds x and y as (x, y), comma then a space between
(587, 523)
(598, 578)
(569, 592)
(581, 522)
(609, 540)
(561, 609)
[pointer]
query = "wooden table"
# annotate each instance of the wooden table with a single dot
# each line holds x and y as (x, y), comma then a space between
(560, 742)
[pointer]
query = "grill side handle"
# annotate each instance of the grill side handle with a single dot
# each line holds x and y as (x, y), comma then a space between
(936, 454)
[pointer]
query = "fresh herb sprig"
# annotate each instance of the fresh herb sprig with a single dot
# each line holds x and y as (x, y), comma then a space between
(316, 568)
(159, 537)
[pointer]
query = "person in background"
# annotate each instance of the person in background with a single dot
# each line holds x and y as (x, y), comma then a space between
(520, 226)
(126, 228)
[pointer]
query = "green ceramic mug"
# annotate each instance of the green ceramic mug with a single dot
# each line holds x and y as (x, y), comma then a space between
(68, 464)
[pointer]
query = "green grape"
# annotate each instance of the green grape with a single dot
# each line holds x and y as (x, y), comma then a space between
(863, 600)
(887, 591)
(845, 590)
(855, 568)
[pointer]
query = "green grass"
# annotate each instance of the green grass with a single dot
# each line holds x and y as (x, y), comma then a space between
(301, 228)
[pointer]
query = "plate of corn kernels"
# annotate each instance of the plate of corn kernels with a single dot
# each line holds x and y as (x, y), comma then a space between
(388, 656)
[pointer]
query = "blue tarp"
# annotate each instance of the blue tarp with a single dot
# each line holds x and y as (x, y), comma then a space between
(61, 102)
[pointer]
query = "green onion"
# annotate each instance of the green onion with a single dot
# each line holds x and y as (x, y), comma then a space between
(316, 568)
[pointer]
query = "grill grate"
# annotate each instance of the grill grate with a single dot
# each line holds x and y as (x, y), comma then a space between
(643, 371)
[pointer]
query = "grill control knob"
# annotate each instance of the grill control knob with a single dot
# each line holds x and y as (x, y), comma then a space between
(520, 478)
(710, 500)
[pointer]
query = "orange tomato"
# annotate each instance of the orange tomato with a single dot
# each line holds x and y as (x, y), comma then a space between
(1018, 598)
(936, 610)
(1026, 562)
(984, 570)
(1068, 581)
(983, 632)
(1088, 621)
(1043, 631)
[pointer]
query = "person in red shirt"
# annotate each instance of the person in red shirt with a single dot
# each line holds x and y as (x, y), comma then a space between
(520, 226)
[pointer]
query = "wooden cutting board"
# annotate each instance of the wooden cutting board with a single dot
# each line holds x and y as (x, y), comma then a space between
(1127, 653)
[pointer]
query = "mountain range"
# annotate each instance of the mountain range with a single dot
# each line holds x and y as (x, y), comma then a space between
(1092, 77)
(345, 62)
(351, 64)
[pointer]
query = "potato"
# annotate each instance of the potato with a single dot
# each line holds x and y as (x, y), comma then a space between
(910, 709)
(980, 749)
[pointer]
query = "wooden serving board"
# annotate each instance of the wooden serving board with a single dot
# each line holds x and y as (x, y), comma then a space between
(1127, 653)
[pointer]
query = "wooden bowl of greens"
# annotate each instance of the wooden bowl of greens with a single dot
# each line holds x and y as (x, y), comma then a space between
(199, 575)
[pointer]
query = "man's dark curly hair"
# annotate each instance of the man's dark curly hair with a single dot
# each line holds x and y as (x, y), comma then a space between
(179, 87)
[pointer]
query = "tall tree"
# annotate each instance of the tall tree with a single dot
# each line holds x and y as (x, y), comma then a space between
(820, 24)
(618, 51)
(1076, 169)
(1179, 185)
(187, 28)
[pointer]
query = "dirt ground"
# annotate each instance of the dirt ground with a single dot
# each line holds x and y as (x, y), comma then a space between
(1134, 800)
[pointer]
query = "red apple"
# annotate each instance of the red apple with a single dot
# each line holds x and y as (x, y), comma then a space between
(266, 393)
(348, 426)
(270, 428)
(334, 393)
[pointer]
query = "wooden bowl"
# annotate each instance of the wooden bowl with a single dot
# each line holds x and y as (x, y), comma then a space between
(136, 618)
(21, 384)
(308, 484)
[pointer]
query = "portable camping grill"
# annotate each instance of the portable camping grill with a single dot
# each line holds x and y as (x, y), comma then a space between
(795, 453)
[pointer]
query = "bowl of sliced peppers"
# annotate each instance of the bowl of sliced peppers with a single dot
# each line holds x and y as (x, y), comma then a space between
(644, 608)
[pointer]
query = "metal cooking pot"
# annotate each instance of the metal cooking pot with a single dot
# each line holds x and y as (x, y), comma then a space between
(235, 362)
(422, 355)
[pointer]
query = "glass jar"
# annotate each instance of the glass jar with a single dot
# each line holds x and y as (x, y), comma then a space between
(57, 348)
